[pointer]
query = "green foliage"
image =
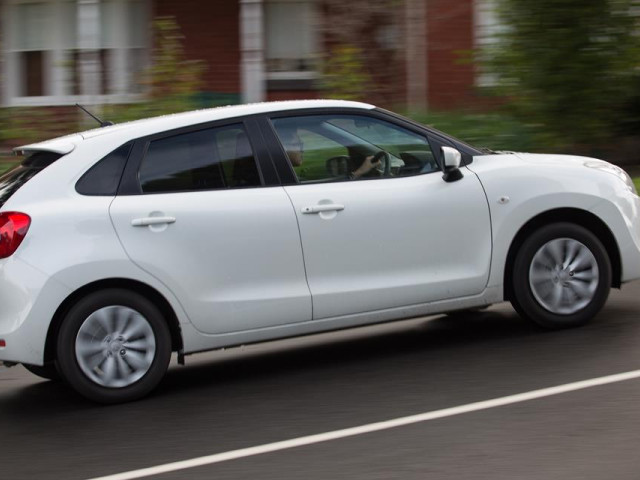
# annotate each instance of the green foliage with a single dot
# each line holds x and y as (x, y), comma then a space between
(344, 74)
(22, 125)
(493, 130)
(570, 66)
(172, 82)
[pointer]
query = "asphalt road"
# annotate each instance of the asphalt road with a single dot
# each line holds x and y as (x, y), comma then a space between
(255, 395)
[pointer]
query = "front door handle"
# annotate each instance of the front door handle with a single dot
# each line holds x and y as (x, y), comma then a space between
(329, 207)
(143, 222)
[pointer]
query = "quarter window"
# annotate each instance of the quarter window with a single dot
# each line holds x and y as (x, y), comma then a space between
(324, 148)
(216, 158)
(104, 177)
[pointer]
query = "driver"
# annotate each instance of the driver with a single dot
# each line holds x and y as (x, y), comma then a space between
(294, 148)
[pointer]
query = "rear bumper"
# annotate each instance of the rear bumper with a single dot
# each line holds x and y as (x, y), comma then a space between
(29, 298)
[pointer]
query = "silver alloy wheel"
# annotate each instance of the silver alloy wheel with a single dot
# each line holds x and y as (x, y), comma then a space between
(115, 346)
(564, 276)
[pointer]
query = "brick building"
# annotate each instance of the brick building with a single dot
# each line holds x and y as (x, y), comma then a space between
(59, 52)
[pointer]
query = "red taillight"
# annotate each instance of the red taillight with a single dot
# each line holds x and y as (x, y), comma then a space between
(13, 228)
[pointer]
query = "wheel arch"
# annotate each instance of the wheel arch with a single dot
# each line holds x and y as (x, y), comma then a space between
(139, 287)
(572, 215)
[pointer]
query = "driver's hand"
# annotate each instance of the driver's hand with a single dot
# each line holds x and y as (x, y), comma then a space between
(366, 167)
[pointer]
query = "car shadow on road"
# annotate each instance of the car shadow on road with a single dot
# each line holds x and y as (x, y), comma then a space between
(364, 348)
(353, 348)
(434, 336)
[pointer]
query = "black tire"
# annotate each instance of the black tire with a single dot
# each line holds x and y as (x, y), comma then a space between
(47, 371)
(524, 299)
(69, 364)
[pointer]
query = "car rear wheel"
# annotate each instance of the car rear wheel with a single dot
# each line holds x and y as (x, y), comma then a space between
(114, 346)
(561, 276)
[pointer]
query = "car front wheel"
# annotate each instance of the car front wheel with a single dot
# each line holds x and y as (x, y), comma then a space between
(561, 276)
(114, 346)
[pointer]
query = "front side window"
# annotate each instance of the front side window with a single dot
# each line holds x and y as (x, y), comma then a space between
(323, 148)
(215, 158)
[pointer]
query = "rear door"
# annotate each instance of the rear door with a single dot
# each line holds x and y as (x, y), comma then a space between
(207, 223)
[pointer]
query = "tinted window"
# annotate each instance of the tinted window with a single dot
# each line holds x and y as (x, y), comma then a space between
(337, 147)
(104, 177)
(204, 160)
(12, 180)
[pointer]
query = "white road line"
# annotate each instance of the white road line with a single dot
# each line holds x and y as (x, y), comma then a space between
(372, 427)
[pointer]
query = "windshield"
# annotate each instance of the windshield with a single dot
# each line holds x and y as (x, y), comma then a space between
(11, 181)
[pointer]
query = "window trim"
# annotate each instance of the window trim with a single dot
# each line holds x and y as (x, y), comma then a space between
(273, 164)
(130, 183)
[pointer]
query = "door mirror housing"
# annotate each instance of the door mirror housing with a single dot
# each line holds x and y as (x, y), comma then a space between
(451, 159)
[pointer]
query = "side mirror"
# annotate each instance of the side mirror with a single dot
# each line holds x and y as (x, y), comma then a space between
(451, 159)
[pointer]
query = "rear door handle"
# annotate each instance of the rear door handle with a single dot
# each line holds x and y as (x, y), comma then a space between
(330, 207)
(143, 222)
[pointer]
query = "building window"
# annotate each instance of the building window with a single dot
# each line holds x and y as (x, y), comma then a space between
(48, 60)
(291, 38)
(30, 44)
(487, 26)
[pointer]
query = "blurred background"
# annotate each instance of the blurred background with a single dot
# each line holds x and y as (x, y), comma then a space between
(549, 75)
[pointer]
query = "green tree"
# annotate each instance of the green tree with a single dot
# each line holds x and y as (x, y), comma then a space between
(365, 45)
(569, 66)
(345, 76)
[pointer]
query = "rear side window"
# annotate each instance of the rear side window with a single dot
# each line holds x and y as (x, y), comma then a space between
(104, 177)
(215, 158)
(15, 178)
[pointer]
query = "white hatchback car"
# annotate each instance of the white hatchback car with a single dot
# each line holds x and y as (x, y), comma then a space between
(242, 224)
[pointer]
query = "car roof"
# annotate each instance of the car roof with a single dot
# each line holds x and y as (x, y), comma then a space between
(148, 126)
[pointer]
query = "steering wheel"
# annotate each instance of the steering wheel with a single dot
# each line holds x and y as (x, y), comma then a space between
(385, 158)
(338, 166)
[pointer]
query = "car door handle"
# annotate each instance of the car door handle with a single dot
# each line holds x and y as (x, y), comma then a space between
(143, 222)
(330, 207)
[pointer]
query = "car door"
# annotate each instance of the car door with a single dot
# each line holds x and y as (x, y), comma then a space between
(200, 219)
(398, 235)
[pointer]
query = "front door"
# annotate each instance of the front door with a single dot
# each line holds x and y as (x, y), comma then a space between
(379, 227)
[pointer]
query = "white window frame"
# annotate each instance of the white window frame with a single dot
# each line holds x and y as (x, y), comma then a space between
(54, 72)
(292, 75)
(486, 24)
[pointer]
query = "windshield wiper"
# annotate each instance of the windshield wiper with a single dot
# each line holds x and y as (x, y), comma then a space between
(487, 150)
